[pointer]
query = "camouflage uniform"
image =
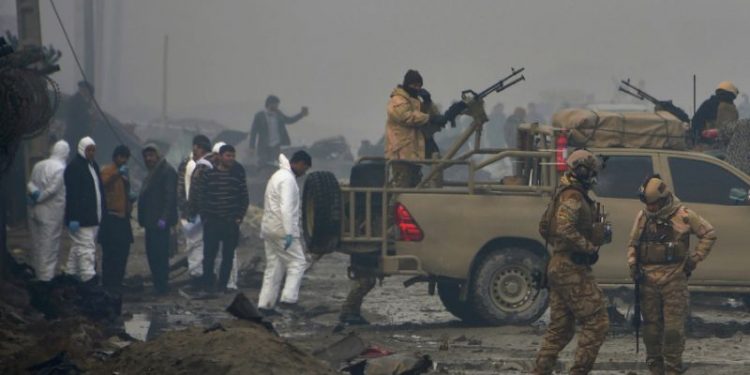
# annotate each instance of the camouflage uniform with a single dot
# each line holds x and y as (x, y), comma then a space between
(736, 135)
(573, 292)
(666, 263)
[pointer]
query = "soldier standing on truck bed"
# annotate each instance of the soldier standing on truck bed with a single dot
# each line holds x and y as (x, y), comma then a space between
(715, 111)
(659, 257)
(576, 234)
(412, 120)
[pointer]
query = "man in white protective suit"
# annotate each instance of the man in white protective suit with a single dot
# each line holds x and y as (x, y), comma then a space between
(280, 229)
(84, 205)
(46, 190)
(193, 231)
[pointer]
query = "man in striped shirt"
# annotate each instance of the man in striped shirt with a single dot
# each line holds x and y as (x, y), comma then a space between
(222, 202)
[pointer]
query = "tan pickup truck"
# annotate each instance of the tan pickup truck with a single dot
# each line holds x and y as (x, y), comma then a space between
(477, 242)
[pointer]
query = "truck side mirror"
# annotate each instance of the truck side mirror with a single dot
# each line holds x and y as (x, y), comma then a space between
(738, 195)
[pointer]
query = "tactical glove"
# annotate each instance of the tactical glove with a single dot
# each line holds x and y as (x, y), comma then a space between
(438, 120)
(454, 110)
(690, 265)
(425, 95)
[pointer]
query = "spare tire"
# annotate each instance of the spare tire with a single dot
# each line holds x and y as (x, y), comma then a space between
(321, 212)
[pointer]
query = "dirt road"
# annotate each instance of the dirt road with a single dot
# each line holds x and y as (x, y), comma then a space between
(410, 320)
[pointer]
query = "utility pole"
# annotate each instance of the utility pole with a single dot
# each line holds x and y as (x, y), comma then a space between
(30, 34)
(164, 82)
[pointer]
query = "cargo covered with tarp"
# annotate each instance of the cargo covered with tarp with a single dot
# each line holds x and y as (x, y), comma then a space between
(587, 128)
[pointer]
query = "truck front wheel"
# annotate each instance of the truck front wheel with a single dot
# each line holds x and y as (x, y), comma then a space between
(450, 295)
(503, 289)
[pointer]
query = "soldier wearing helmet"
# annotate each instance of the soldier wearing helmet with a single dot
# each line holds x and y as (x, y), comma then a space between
(659, 257)
(575, 233)
(714, 112)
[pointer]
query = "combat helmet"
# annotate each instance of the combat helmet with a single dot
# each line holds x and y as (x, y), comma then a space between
(728, 87)
(584, 166)
(653, 190)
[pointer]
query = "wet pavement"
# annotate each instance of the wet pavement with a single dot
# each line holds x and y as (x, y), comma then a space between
(411, 321)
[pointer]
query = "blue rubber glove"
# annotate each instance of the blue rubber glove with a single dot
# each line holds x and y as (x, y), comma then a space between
(192, 219)
(35, 195)
(288, 241)
(74, 226)
(123, 170)
(162, 224)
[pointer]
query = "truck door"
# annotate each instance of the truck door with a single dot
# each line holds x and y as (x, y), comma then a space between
(703, 185)
(617, 188)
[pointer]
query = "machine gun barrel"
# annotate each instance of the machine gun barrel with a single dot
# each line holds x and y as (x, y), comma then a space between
(640, 93)
(501, 84)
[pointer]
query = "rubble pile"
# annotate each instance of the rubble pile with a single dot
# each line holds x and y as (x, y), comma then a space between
(39, 321)
(238, 347)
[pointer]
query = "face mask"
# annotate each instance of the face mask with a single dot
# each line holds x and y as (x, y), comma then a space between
(412, 91)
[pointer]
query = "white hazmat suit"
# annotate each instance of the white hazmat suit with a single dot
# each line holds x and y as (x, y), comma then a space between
(82, 256)
(281, 217)
(47, 211)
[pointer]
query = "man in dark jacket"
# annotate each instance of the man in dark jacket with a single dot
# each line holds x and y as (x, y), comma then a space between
(222, 203)
(157, 213)
(268, 132)
(84, 205)
(715, 112)
(115, 233)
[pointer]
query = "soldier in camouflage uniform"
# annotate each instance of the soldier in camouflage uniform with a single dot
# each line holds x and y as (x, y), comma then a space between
(736, 136)
(659, 255)
(574, 296)
(412, 119)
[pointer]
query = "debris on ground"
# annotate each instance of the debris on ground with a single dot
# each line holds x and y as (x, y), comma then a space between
(243, 308)
(400, 364)
(243, 348)
(343, 350)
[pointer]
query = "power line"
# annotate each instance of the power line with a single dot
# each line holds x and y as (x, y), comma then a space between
(85, 79)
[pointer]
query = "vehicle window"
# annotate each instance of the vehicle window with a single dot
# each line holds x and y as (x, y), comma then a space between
(701, 182)
(621, 176)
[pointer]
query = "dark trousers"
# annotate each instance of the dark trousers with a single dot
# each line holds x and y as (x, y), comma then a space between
(157, 251)
(215, 233)
(115, 236)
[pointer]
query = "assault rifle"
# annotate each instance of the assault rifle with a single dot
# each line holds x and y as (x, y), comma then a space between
(661, 105)
(638, 277)
(469, 97)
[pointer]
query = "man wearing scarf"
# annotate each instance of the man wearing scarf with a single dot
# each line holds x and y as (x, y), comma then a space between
(84, 205)
(157, 213)
(714, 112)
(659, 257)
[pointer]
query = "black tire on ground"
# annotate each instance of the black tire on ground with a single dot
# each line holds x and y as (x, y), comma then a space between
(502, 289)
(321, 212)
(449, 293)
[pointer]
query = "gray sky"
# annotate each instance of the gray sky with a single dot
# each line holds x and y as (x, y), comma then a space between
(343, 57)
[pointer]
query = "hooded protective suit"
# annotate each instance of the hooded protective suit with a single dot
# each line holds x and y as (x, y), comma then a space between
(85, 204)
(48, 210)
(281, 217)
